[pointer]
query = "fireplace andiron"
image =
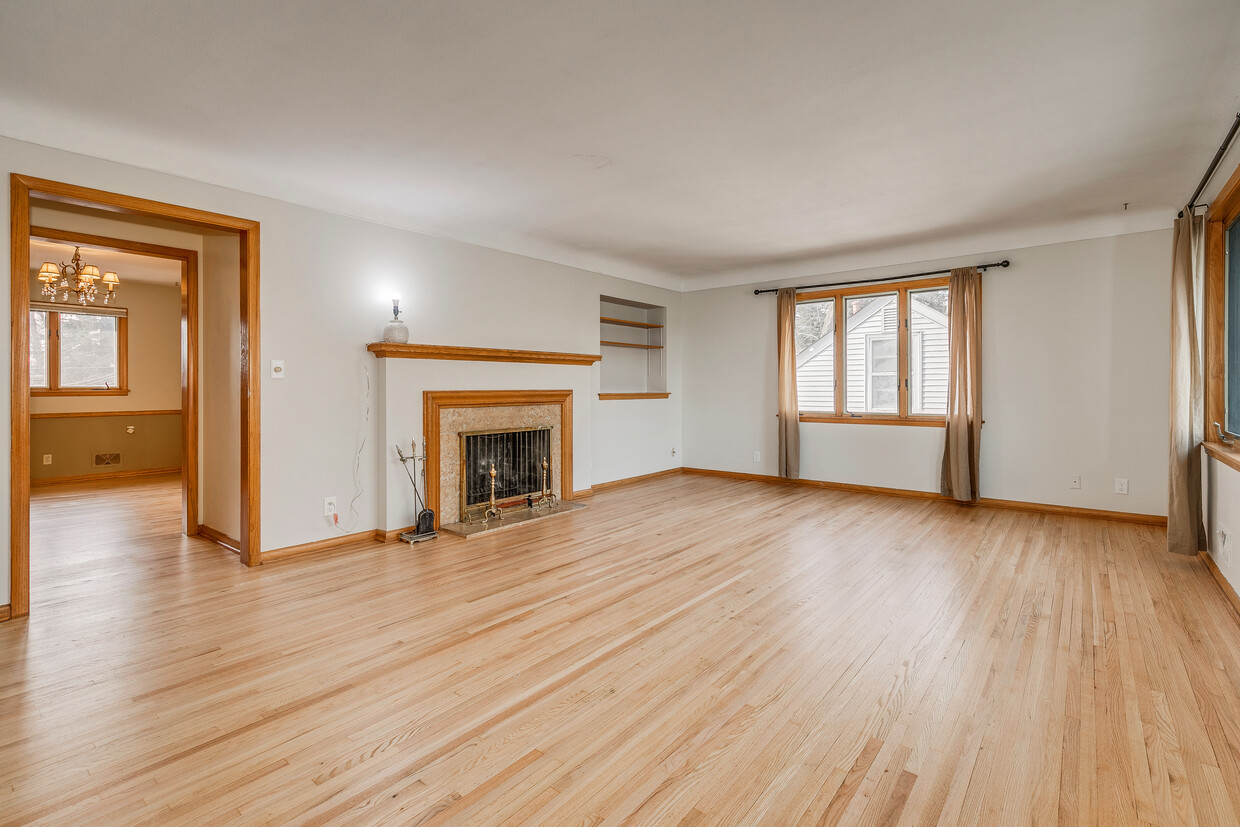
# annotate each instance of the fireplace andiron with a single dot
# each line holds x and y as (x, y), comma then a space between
(547, 500)
(493, 510)
(425, 528)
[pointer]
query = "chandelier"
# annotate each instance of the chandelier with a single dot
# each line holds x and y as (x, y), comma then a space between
(76, 277)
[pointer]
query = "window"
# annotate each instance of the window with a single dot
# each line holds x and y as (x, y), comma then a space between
(876, 354)
(77, 353)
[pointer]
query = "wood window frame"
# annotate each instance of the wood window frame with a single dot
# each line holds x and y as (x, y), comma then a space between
(901, 289)
(1223, 212)
(53, 359)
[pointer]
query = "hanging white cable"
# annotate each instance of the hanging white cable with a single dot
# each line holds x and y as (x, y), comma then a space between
(358, 488)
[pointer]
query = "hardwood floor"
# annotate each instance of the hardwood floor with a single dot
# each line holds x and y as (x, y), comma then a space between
(689, 650)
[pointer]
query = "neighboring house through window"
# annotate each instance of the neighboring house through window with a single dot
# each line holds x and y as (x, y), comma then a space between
(893, 341)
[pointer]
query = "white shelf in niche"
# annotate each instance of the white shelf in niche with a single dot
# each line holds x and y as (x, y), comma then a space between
(632, 339)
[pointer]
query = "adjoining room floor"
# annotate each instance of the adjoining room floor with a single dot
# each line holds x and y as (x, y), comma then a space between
(687, 650)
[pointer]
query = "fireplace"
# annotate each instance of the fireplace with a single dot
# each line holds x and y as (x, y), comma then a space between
(448, 414)
(517, 456)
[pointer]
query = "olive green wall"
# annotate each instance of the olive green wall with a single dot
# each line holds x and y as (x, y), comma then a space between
(74, 440)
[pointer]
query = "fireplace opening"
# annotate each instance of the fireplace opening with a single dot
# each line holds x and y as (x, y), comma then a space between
(517, 455)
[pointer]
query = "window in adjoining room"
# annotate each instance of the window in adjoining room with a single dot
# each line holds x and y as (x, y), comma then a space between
(77, 352)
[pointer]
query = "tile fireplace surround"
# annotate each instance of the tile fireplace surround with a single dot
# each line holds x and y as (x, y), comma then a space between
(447, 413)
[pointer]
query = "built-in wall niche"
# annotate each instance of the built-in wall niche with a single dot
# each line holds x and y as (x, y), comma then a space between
(632, 337)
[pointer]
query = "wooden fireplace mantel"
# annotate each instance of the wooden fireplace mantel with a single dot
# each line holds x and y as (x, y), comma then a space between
(434, 401)
(387, 350)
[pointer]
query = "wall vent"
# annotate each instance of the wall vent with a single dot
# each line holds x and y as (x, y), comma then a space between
(108, 460)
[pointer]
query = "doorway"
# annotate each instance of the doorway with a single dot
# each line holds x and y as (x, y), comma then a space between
(24, 189)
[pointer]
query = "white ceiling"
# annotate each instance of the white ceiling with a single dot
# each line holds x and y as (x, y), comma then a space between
(129, 267)
(686, 144)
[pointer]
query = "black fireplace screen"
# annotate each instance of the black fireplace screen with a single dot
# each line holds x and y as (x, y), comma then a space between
(517, 456)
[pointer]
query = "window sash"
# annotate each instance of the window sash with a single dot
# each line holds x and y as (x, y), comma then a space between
(54, 386)
(903, 414)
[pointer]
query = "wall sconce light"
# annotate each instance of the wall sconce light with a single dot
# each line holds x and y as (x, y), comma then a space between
(396, 331)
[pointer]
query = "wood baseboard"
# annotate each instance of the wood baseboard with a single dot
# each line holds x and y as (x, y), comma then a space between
(107, 475)
(583, 494)
(1044, 508)
(605, 486)
(1228, 591)
(359, 538)
(392, 535)
(6, 612)
(219, 538)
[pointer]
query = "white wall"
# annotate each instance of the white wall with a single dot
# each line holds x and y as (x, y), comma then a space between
(1222, 498)
(1075, 376)
(325, 281)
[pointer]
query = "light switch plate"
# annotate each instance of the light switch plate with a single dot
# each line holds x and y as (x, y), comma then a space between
(277, 368)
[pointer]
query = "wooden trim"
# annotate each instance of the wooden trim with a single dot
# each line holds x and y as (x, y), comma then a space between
(19, 396)
(634, 395)
(251, 384)
(630, 344)
(80, 392)
(1043, 508)
(1228, 591)
(80, 414)
(862, 419)
(21, 189)
(434, 401)
(839, 374)
(1225, 208)
(391, 535)
(1223, 212)
(58, 191)
(219, 538)
(620, 483)
(106, 475)
(361, 537)
(6, 613)
(903, 334)
(102, 242)
(627, 323)
(387, 350)
(583, 494)
(876, 289)
(1227, 454)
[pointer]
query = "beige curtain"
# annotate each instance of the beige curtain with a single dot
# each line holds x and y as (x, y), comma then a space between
(962, 447)
(1185, 533)
(789, 423)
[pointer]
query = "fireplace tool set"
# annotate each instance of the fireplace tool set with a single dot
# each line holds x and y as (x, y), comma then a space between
(425, 528)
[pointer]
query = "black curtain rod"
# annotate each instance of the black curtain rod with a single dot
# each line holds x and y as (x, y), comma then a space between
(982, 267)
(1218, 156)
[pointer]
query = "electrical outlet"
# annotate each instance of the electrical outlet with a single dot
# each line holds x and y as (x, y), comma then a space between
(329, 506)
(673, 452)
(1074, 481)
(47, 459)
(757, 456)
(1121, 485)
(1220, 551)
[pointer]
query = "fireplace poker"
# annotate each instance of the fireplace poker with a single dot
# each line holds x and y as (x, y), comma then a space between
(425, 528)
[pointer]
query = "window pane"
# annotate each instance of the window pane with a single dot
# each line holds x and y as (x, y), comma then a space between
(927, 354)
(870, 351)
(815, 333)
(88, 351)
(1232, 299)
(38, 349)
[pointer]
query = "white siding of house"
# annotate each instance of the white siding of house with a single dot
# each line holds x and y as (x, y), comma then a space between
(816, 380)
(933, 365)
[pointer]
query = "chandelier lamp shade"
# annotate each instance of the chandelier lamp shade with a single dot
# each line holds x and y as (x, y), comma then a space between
(77, 278)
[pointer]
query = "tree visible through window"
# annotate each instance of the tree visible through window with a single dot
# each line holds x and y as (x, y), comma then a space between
(75, 352)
